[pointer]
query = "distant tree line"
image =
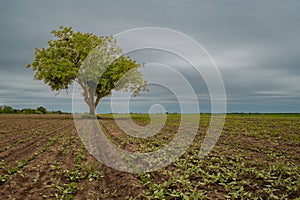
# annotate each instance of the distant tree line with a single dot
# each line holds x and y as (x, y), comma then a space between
(39, 110)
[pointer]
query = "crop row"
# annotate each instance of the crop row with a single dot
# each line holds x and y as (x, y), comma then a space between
(241, 165)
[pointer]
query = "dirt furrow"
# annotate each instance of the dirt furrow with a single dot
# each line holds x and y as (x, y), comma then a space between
(19, 152)
(51, 163)
(31, 133)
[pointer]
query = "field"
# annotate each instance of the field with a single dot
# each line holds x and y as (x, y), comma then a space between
(256, 157)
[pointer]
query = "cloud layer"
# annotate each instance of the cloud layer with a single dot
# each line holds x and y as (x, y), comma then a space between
(255, 44)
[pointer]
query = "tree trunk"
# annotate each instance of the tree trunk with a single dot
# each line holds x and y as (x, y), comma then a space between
(92, 109)
(91, 101)
(89, 96)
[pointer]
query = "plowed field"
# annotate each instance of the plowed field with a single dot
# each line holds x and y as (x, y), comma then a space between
(256, 157)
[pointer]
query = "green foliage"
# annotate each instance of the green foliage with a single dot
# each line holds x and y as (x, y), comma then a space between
(6, 109)
(101, 62)
(29, 111)
(42, 109)
(58, 64)
(39, 110)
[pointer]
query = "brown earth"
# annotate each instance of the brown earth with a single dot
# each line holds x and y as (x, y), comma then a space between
(47, 175)
(42, 157)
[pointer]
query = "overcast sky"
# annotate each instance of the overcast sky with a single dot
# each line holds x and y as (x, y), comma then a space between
(255, 44)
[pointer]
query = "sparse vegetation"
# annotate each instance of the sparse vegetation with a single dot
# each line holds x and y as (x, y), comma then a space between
(256, 157)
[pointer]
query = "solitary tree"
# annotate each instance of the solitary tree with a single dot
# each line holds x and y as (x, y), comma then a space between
(97, 64)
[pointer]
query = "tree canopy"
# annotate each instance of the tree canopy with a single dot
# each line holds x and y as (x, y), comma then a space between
(96, 63)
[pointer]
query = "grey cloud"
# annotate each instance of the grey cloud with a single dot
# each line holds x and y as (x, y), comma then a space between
(255, 44)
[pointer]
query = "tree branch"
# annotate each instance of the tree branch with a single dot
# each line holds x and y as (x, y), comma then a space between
(97, 100)
(85, 93)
